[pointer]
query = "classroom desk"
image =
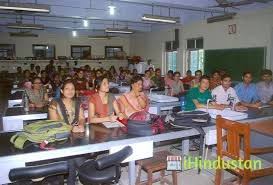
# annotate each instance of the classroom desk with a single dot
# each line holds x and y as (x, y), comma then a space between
(95, 139)
(263, 127)
(15, 99)
(13, 118)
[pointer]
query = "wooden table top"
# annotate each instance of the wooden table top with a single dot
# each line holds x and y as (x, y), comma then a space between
(263, 127)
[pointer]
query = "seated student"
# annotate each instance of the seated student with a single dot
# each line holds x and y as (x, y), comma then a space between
(69, 110)
(56, 86)
(188, 78)
(157, 80)
(265, 87)
(247, 91)
(195, 82)
(19, 76)
(215, 80)
(197, 97)
(38, 71)
(81, 82)
(177, 87)
(135, 100)
(37, 95)
(151, 69)
(147, 82)
(168, 79)
(102, 104)
(44, 78)
(26, 82)
(225, 95)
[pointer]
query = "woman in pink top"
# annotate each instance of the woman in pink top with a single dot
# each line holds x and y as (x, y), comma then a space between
(169, 79)
(135, 100)
(147, 82)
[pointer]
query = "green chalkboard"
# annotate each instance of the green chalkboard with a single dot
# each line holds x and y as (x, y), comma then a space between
(235, 61)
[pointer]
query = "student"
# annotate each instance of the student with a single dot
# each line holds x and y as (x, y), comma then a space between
(26, 82)
(195, 82)
(197, 97)
(19, 76)
(32, 70)
(225, 95)
(157, 80)
(81, 82)
(56, 86)
(215, 80)
(44, 78)
(38, 71)
(188, 78)
(37, 94)
(49, 67)
(135, 100)
(151, 69)
(168, 79)
(265, 87)
(69, 110)
(147, 82)
(177, 87)
(247, 91)
(102, 104)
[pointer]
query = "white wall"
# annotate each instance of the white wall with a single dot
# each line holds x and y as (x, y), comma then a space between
(254, 29)
(62, 42)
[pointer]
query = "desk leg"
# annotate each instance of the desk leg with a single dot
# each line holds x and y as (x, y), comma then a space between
(185, 147)
(132, 173)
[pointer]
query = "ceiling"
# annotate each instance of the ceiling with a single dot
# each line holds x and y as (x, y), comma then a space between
(67, 15)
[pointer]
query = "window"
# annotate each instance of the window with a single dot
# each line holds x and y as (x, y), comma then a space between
(171, 58)
(196, 60)
(195, 54)
(112, 51)
(7, 51)
(195, 43)
(43, 51)
(81, 52)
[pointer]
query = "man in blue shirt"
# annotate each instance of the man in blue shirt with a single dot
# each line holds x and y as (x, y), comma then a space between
(247, 91)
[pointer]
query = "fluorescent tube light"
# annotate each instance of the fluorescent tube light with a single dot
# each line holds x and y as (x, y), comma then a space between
(30, 7)
(101, 37)
(157, 18)
(219, 18)
(118, 30)
(22, 34)
(25, 26)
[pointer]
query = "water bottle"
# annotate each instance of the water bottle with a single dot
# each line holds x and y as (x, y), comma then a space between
(182, 103)
(26, 102)
(167, 90)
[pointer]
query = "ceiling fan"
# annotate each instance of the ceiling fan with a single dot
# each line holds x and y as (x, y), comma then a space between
(234, 4)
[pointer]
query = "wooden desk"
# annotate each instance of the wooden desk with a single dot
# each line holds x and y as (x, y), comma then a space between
(263, 127)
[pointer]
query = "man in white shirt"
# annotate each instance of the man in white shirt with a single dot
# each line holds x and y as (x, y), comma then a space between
(224, 94)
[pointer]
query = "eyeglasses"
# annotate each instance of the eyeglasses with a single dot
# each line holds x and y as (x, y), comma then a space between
(38, 83)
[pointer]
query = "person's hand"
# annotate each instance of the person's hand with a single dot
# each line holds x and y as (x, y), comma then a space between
(113, 118)
(31, 105)
(240, 108)
(78, 128)
(121, 116)
(219, 106)
(257, 105)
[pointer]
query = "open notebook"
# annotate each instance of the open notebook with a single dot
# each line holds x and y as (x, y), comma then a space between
(113, 124)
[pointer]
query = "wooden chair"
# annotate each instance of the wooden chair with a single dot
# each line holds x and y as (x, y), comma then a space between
(157, 163)
(233, 143)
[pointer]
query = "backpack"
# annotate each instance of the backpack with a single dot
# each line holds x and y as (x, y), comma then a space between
(40, 131)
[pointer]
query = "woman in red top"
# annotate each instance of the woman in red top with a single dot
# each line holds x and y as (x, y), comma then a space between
(102, 104)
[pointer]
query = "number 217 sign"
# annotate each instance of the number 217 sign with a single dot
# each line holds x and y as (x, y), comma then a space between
(232, 29)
